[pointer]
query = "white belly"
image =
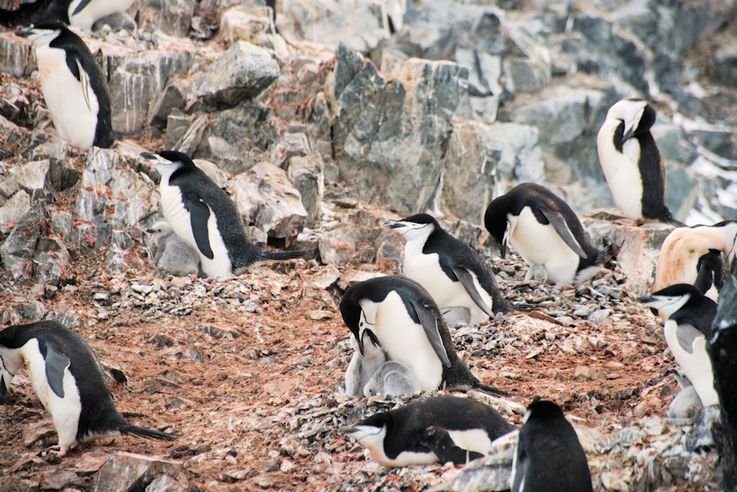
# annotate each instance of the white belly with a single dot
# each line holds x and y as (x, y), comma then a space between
(696, 366)
(540, 244)
(96, 9)
(622, 173)
(64, 96)
(472, 440)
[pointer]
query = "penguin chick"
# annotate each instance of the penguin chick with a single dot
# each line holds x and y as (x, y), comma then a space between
(171, 253)
(391, 379)
(68, 380)
(549, 456)
(364, 364)
(82, 14)
(204, 216)
(545, 232)
(409, 327)
(396, 437)
(73, 86)
(452, 272)
(689, 316)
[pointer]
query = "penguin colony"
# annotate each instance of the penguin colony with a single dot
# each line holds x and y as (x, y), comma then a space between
(396, 324)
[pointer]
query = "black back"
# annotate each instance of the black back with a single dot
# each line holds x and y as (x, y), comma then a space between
(58, 11)
(406, 425)
(699, 310)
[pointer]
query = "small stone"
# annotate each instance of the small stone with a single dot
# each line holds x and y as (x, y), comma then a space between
(583, 372)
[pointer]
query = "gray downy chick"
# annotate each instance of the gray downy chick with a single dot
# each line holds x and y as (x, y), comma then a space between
(170, 253)
(392, 379)
(362, 367)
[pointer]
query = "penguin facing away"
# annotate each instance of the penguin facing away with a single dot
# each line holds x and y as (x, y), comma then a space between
(410, 329)
(631, 161)
(401, 437)
(202, 214)
(549, 456)
(452, 272)
(689, 317)
(544, 230)
(82, 14)
(68, 380)
(73, 86)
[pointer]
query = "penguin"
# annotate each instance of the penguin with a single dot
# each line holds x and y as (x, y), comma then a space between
(391, 379)
(68, 380)
(410, 329)
(688, 325)
(202, 214)
(82, 14)
(631, 161)
(401, 437)
(73, 86)
(544, 230)
(171, 253)
(363, 364)
(549, 457)
(452, 272)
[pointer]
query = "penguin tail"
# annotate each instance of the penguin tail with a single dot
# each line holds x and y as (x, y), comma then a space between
(284, 255)
(485, 388)
(146, 433)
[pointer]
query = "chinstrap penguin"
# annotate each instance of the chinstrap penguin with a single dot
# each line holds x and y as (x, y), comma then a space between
(545, 232)
(363, 364)
(452, 272)
(631, 161)
(687, 328)
(549, 457)
(410, 329)
(202, 214)
(171, 253)
(404, 436)
(68, 380)
(82, 14)
(73, 86)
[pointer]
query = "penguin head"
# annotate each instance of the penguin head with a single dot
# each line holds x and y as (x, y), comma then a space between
(168, 161)
(672, 298)
(497, 222)
(160, 229)
(43, 33)
(371, 432)
(728, 228)
(635, 114)
(415, 226)
(543, 410)
(359, 314)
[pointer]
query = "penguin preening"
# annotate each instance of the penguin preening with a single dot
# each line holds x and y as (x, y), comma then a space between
(631, 161)
(687, 328)
(407, 435)
(202, 214)
(408, 325)
(82, 14)
(549, 457)
(545, 232)
(68, 380)
(452, 272)
(73, 86)
(171, 253)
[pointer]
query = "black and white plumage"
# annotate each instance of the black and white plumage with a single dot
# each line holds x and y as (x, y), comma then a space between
(408, 325)
(171, 253)
(202, 214)
(409, 435)
(544, 230)
(82, 14)
(631, 161)
(67, 379)
(687, 328)
(73, 86)
(549, 456)
(452, 272)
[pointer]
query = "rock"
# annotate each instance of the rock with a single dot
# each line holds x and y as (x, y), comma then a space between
(33, 175)
(525, 76)
(51, 261)
(266, 199)
(348, 243)
(166, 483)
(306, 174)
(61, 479)
(170, 99)
(17, 251)
(352, 277)
(15, 55)
(13, 209)
(389, 251)
(213, 172)
(244, 71)
(171, 16)
(13, 139)
(292, 144)
(246, 23)
(129, 471)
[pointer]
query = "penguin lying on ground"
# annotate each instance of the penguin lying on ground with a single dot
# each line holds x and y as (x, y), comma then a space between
(68, 380)
(170, 252)
(549, 456)
(202, 214)
(545, 232)
(452, 272)
(73, 86)
(82, 14)
(407, 324)
(410, 435)
(688, 326)
(631, 161)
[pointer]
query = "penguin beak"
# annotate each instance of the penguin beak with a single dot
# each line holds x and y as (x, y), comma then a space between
(647, 299)
(24, 32)
(503, 248)
(628, 132)
(393, 224)
(150, 156)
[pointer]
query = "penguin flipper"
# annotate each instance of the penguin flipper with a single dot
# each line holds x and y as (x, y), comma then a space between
(430, 324)
(81, 6)
(559, 222)
(56, 364)
(438, 441)
(687, 335)
(199, 213)
(85, 80)
(467, 280)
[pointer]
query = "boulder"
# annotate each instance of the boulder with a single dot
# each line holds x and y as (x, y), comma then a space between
(124, 472)
(306, 174)
(13, 209)
(18, 249)
(15, 55)
(348, 243)
(33, 175)
(170, 16)
(246, 23)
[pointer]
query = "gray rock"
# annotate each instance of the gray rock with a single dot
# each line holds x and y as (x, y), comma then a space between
(246, 23)
(119, 254)
(33, 175)
(306, 174)
(166, 483)
(292, 144)
(177, 125)
(524, 76)
(51, 261)
(213, 172)
(15, 55)
(128, 471)
(18, 249)
(171, 16)
(13, 209)
(170, 99)
(348, 243)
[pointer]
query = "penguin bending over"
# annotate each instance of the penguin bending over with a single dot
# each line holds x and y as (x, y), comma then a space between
(68, 380)
(452, 272)
(82, 14)
(545, 232)
(631, 161)
(73, 86)
(688, 326)
(406, 435)
(202, 214)
(408, 325)
(549, 457)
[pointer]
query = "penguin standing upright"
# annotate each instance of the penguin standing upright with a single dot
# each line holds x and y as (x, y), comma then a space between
(452, 272)
(67, 379)
(544, 230)
(631, 161)
(73, 86)
(82, 14)
(549, 456)
(202, 214)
